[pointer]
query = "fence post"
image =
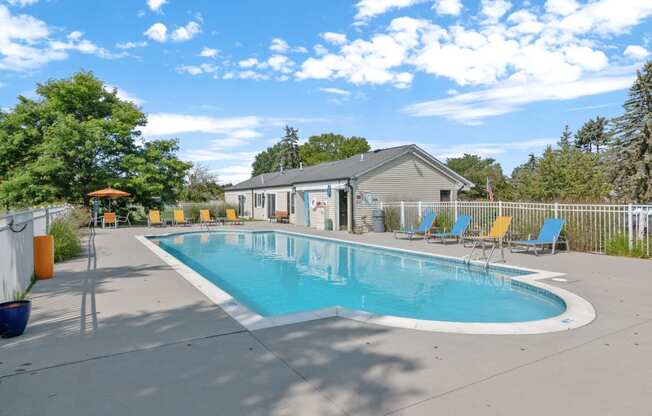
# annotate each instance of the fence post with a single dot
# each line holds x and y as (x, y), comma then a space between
(456, 210)
(556, 210)
(500, 208)
(381, 205)
(402, 214)
(630, 225)
(419, 211)
(47, 220)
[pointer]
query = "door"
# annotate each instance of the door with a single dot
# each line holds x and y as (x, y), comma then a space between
(344, 210)
(306, 209)
(271, 205)
(241, 205)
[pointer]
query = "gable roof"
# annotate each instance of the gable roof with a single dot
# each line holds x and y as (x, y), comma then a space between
(349, 168)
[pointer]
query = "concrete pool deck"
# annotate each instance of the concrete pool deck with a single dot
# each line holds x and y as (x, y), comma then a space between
(119, 332)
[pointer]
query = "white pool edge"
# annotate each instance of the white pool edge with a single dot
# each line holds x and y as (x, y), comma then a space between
(579, 312)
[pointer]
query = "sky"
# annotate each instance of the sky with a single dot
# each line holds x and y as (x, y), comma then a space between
(496, 78)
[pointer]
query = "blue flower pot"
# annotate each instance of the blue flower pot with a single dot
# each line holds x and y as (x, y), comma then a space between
(14, 316)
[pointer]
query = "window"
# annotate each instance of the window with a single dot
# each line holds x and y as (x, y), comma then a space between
(445, 195)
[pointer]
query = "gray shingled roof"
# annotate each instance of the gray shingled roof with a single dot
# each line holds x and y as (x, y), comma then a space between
(340, 169)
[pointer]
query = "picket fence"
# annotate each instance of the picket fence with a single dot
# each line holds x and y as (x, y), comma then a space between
(589, 227)
(17, 231)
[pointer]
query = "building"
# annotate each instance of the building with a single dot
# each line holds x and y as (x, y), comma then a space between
(346, 191)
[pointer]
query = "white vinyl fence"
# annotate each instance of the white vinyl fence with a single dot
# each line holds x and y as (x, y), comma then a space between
(17, 231)
(589, 227)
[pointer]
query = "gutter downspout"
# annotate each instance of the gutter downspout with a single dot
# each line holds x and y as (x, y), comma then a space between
(349, 208)
(252, 205)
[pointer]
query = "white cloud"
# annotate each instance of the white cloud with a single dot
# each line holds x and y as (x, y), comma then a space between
(334, 38)
(157, 32)
(490, 149)
(22, 3)
(280, 63)
(248, 63)
(249, 74)
(472, 107)
(234, 173)
(495, 9)
(197, 69)
(170, 124)
(208, 155)
(279, 45)
(448, 7)
(209, 52)
(131, 45)
(155, 5)
(336, 91)
(636, 52)
(366, 9)
(187, 32)
(561, 7)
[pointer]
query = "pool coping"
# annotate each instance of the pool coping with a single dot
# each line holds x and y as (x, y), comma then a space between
(579, 312)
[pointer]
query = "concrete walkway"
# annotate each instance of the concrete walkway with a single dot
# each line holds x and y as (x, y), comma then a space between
(118, 332)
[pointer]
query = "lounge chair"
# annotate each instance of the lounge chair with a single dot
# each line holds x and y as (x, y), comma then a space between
(154, 218)
(180, 218)
(423, 228)
(232, 217)
(109, 218)
(456, 233)
(123, 220)
(205, 218)
(280, 216)
(495, 239)
(548, 236)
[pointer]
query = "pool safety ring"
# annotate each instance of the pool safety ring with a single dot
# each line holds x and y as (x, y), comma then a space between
(313, 203)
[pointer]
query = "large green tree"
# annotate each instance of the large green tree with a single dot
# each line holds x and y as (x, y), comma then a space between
(329, 146)
(632, 145)
(477, 170)
(201, 185)
(592, 135)
(78, 136)
(290, 157)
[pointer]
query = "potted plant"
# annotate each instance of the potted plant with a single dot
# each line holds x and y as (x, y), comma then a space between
(14, 315)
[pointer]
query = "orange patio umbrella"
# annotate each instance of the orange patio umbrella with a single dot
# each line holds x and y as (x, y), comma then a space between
(108, 193)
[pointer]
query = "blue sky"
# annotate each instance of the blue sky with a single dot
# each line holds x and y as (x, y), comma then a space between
(495, 77)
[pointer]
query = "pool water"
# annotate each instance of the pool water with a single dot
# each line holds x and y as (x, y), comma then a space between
(274, 273)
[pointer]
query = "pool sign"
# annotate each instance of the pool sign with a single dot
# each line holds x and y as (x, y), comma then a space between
(365, 198)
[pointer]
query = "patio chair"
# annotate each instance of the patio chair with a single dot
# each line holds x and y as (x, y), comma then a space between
(232, 217)
(180, 218)
(456, 233)
(123, 220)
(109, 218)
(154, 218)
(495, 239)
(423, 228)
(205, 218)
(548, 236)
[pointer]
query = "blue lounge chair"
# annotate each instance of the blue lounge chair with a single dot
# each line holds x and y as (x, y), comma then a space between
(456, 233)
(424, 228)
(548, 236)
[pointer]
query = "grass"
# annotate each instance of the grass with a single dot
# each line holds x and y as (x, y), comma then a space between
(65, 232)
(618, 245)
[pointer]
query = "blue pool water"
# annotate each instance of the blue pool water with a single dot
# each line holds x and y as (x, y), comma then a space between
(277, 274)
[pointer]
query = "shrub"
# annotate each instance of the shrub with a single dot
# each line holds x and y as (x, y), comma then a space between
(392, 219)
(66, 238)
(445, 221)
(618, 245)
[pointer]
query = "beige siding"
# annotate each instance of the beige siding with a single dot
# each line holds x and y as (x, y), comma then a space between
(408, 178)
(231, 198)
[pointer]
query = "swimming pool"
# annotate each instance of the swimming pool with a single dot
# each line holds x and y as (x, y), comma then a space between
(276, 274)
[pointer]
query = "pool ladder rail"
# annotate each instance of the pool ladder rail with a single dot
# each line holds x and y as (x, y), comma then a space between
(488, 258)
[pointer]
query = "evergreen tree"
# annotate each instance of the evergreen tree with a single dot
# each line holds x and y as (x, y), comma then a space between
(477, 170)
(632, 146)
(592, 135)
(290, 156)
(565, 139)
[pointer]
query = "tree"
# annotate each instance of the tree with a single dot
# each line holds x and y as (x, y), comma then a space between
(329, 146)
(76, 138)
(632, 146)
(268, 160)
(477, 170)
(565, 139)
(290, 157)
(201, 186)
(592, 135)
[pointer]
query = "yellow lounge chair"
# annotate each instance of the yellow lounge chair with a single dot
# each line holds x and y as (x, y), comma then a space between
(495, 238)
(109, 218)
(154, 218)
(180, 218)
(205, 218)
(232, 217)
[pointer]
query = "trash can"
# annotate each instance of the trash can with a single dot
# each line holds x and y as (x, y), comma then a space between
(44, 257)
(378, 221)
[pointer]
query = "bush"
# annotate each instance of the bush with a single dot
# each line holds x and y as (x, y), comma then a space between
(66, 238)
(618, 245)
(392, 219)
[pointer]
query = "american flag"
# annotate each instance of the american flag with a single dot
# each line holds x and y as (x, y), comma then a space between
(490, 190)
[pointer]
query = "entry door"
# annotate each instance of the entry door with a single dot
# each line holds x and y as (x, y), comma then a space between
(271, 205)
(241, 205)
(344, 210)
(306, 208)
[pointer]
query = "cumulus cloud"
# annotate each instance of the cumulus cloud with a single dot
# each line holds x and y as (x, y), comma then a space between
(280, 63)
(279, 45)
(157, 32)
(248, 63)
(448, 7)
(336, 91)
(22, 3)
(170, 124)
(187, 32)
(131, 45)
(209, 52)
(334, 38)
(495, 9)
(366, 9)
(155, 5)
(636, 52)
(197, 69)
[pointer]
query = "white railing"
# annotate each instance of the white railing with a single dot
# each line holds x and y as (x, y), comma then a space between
(589, 227)
(17, 231)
